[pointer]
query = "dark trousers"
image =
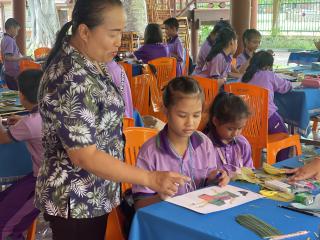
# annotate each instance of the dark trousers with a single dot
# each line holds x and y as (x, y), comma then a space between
(11, 82)
(276, 125)
(77, 229)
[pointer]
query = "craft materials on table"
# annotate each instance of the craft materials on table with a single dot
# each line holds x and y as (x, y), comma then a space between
(213, 199)
(8, 102)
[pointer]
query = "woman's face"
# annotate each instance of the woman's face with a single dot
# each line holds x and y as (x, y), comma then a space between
(103, 41)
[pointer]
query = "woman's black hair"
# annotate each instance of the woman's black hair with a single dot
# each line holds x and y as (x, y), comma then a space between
(28, 83)
(224, 37)
(178, 87)
(260, 61)
(227, 108)
(220, 25)
(250, 34)
(153, 34)
(88, 12)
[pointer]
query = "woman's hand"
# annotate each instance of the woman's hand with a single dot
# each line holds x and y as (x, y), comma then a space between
(218, 177)
(310, 170)
(166, 184)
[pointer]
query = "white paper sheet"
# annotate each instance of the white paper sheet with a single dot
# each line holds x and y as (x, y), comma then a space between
(214, 199)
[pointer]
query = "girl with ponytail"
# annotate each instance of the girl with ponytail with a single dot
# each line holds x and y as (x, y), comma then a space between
(218, 61)
(82, 111)
(259, 73)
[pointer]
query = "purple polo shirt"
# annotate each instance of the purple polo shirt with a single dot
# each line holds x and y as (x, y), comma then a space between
(149, 52)
(269, 80)
(202, 55)
(242, 59)
(218, 67)
(9, 46)
(120, 79)
(157, 155)
(232, 156)
(176, 49)
(29, 129)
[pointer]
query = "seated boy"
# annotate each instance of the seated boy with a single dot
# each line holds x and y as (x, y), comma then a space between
(16, 202)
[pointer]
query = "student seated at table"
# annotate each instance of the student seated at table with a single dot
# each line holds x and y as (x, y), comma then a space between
(153, 44)
(16, 202)
(179, 147)
(120, 79)
(251, 41)
(11, 54)
(259, 73)
(228, 115)
(208, 44)
(219, 59)
(174, 42)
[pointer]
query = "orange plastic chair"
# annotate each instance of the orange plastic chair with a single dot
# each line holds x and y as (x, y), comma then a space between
(31, 234)
(115, 225)
(256, 129)
(28, 64)
(128, 69)
(166, 70)
(127, 122)
(141, 93)
(186, 66)
(135, 138)
(41, 52)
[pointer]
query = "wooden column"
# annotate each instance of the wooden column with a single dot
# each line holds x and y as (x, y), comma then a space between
(19, 13)
(240, 19)
(194, 39)
(254, 14)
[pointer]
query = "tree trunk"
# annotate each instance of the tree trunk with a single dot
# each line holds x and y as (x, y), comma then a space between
(275, 17)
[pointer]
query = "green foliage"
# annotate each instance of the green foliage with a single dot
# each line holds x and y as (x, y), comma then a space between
(204, 32)
(287, 42)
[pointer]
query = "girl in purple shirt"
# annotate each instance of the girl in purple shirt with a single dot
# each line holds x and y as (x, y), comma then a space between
(153, 47)
(219, 59)
(251, 41)
(228, 116)
(179, 147)
(259, 73)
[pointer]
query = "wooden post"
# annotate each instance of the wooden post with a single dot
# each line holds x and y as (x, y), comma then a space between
(254, 14)
(194, 39)
(19, 13)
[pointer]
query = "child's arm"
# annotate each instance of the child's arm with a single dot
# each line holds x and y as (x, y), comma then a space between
(235, 75)
(13, 58)
(4, 136)
(281, 85)
(218, 177)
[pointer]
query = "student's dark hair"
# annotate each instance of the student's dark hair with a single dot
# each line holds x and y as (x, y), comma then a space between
(220, 25)
(250, 34)
(11, 22)
(28, 83)
(85, 12)
(172, 23)
(223, 38)
(260, 60)
(178, 87)
(227, 108)
(152, 33)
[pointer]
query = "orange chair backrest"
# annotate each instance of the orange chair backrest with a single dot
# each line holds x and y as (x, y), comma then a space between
(210, 88)
(256, 129)
(186, 66)
(28, 64)
(166, 69)
(127, 122)
(128, 69)
(141, 93)
(135, 138)
(115, 225)
(41, 52)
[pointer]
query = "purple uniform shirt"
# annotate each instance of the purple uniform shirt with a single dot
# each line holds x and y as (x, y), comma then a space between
(197, 163)
(9, 46)
(29, 129)
(176, 50)
(273, 83)
(242, 59)
(120, 78)
(149, 52)
(218, 67)
(202, 55)
(233, 156)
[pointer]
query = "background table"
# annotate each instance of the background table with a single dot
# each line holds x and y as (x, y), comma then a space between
(304, 57)
(167, 221)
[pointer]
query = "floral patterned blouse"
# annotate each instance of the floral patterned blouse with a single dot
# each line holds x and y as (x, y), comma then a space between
(79, 107)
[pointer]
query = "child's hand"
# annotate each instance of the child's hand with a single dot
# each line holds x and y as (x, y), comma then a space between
(221, 82)
(310, 170)
(218, 177)
(13, 119)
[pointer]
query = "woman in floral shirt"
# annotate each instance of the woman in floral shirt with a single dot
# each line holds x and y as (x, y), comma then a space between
(82, 112)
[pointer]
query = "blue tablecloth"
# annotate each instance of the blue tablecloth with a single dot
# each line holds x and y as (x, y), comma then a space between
(164, 221)
(304, 57)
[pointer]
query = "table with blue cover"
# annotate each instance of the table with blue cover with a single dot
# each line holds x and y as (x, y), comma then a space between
(304, 57)
(164, 221)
